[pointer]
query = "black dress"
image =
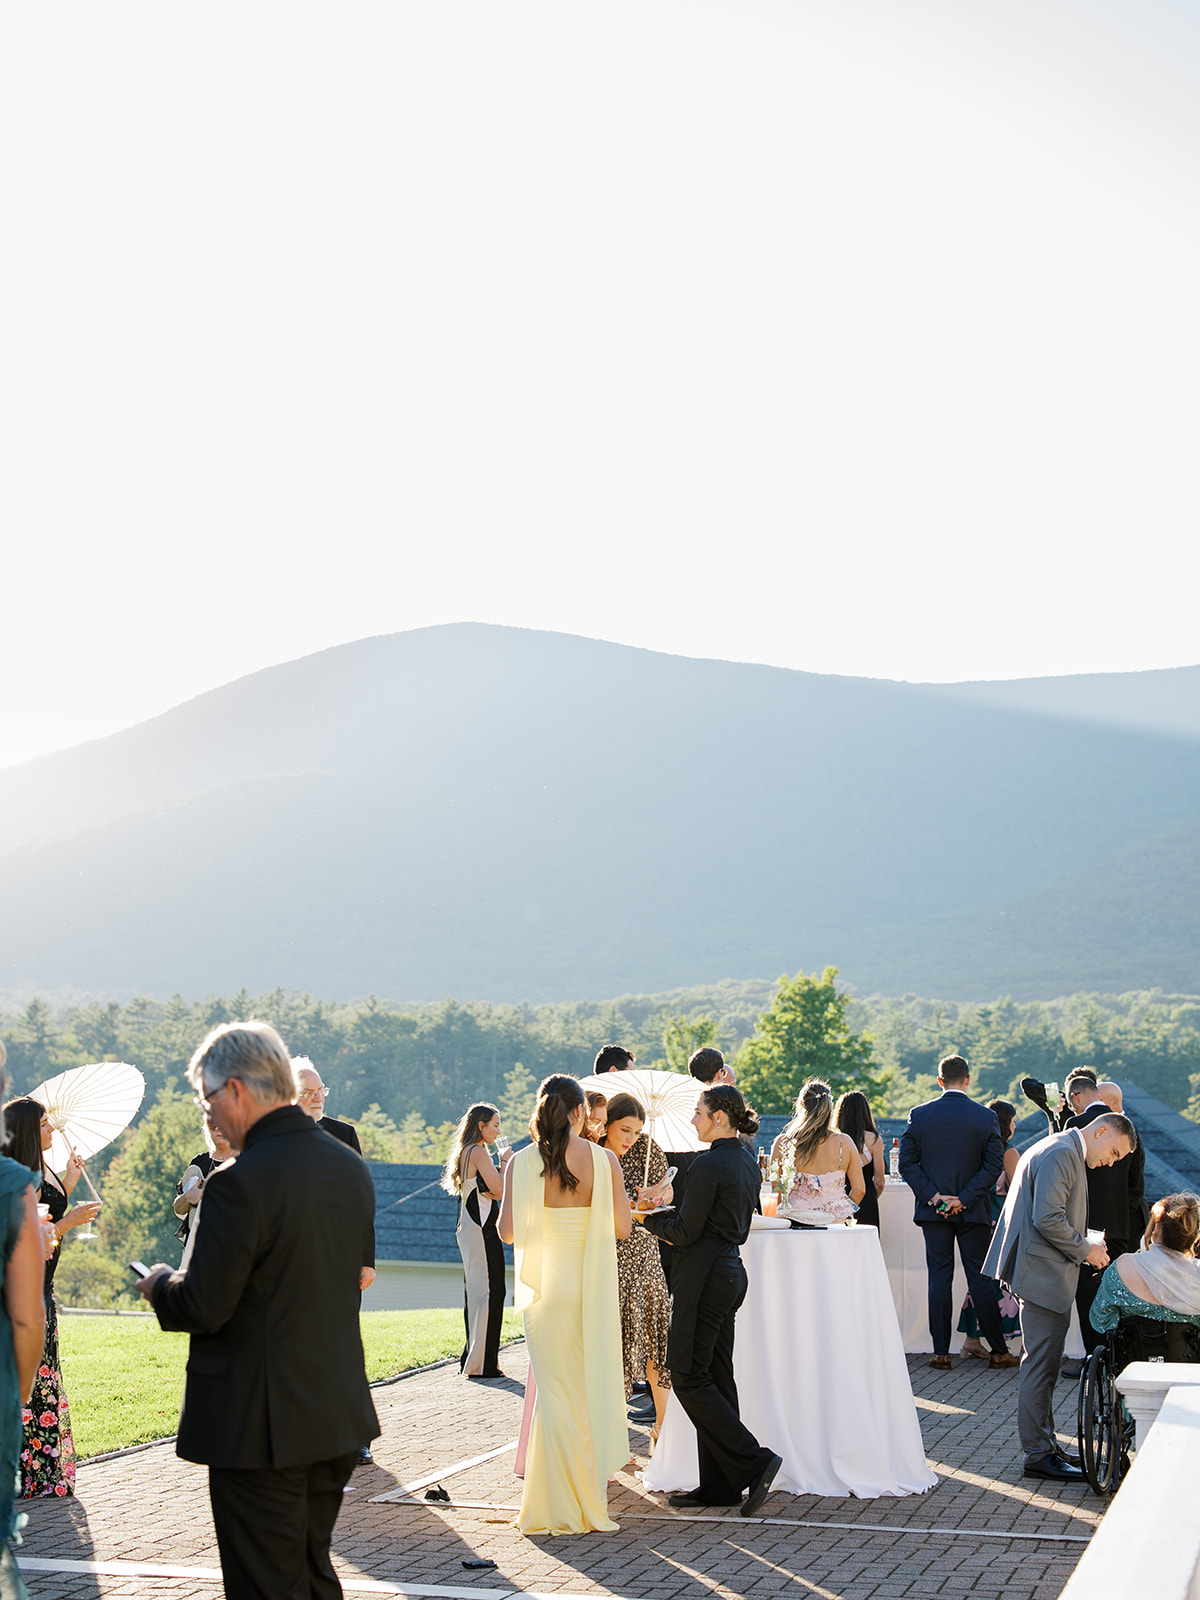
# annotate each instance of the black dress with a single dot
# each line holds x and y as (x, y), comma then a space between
(48, 1448)
(203, 1163)
(868, 1206)
(485, 1284)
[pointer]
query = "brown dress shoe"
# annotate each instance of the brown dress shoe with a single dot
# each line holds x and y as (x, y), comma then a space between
(1004, 1360)
(944, 1362)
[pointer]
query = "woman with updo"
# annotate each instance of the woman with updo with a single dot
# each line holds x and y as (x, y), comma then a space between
(564, 1209)
(820, 1163)
(708, 1284)
(1162, 1279)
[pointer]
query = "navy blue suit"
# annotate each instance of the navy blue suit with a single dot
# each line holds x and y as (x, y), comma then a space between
(952, 1145)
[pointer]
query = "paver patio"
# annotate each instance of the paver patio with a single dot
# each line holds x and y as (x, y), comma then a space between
(984, 1532)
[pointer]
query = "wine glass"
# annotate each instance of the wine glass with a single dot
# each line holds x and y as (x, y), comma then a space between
(88, 1232)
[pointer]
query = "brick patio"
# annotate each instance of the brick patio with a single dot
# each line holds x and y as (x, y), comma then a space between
(149, 1507)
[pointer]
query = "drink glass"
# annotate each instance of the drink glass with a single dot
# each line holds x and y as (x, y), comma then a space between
(1094, 1236)
(771, 1205)
(502, 1144)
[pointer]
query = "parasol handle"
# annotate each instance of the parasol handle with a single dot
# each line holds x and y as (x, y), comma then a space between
(646, 1175)
(90, 1185)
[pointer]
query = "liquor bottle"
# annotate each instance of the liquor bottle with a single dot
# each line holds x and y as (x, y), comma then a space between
(762, 1164)
(894, 1161)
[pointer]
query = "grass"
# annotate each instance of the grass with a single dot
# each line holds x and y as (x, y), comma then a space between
(124, 1376)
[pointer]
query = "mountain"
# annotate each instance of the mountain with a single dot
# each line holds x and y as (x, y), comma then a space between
(505, 814)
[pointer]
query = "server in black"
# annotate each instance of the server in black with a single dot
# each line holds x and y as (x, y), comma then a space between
(708, 1284)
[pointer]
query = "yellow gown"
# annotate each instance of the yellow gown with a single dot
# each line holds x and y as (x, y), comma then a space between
(566, 1290)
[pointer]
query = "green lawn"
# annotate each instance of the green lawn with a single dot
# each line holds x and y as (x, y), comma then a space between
(124, 1376)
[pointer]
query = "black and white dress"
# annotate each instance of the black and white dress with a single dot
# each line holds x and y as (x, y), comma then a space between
(483, 1266)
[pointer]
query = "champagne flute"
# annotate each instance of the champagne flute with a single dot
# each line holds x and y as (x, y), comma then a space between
(89, 1232)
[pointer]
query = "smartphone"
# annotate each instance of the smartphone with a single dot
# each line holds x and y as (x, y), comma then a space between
(139, 1269)
(672, 1173)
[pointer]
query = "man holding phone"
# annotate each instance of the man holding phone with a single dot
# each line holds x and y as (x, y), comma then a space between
(276, 1403)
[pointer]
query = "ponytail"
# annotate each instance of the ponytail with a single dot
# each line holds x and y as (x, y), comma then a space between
(724, 1097)
(550, 1126)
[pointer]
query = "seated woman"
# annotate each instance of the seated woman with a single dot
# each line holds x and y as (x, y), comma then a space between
(819, 1161)
(1162, 1279)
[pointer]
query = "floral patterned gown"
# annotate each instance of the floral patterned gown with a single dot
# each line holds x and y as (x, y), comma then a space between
(645, 1304)
(48, 1450)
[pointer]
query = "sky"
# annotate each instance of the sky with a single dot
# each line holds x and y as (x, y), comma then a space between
(856, 336)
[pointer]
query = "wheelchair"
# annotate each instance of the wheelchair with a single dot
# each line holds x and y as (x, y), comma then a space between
(1104, 1428)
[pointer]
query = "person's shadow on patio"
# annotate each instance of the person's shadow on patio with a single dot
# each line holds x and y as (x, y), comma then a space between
(57, 1531)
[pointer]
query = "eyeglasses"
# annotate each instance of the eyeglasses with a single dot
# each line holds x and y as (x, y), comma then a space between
(314, 1094)
(206, 1105)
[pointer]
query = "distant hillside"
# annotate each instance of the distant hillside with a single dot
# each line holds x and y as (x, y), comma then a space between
(508, 814)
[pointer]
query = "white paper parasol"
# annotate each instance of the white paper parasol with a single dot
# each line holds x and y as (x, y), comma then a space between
(88, 1107)
(669, 1098)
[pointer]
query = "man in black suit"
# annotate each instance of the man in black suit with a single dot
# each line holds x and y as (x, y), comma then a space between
(950, 1156)
(1114, 1194)
(613, 1058)
(276, 1402)
(311, 1100)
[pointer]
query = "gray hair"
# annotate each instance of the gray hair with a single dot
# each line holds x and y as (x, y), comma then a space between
(249, 1051)
(1116, 1123)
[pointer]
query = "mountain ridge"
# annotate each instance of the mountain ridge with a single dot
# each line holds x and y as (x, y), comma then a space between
(497, 811)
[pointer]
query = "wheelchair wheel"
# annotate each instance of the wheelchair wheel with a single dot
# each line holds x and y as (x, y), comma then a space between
(1101, 1434)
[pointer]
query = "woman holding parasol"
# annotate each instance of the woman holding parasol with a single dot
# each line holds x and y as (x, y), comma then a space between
(48, 1453)
(55, 1128)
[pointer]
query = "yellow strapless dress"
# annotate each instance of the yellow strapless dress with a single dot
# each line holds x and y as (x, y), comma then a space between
(579, 1434)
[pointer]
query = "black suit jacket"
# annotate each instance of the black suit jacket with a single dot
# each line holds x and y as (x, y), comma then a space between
(1115, 1194)
(275, 1374)
(952, 1146)
(345, 1132)
(709, 1225)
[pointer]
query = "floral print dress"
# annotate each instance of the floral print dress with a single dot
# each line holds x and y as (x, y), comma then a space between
(645, 1303)
(47, 1449)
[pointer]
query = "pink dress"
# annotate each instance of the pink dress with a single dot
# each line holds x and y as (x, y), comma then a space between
(818, 1198)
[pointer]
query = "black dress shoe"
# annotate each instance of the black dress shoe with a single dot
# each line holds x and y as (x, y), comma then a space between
(1071, 1461)
(640, 1412)
(693, 1502)
(761, 1487)
(364, 1456)
(1056, 1468)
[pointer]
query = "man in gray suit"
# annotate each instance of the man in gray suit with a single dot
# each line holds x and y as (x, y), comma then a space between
(1039, 1244)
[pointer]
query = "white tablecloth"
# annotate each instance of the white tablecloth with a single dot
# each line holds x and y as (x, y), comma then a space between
(904, 1255)
(820, 1372)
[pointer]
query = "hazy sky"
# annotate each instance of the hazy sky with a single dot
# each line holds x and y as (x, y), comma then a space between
(852, 335)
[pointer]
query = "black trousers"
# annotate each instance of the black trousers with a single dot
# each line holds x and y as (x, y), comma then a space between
(274, 1525)
(973, 1239)
(731, 1458)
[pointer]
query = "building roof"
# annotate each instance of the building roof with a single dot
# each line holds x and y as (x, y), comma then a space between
(415, 1218)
